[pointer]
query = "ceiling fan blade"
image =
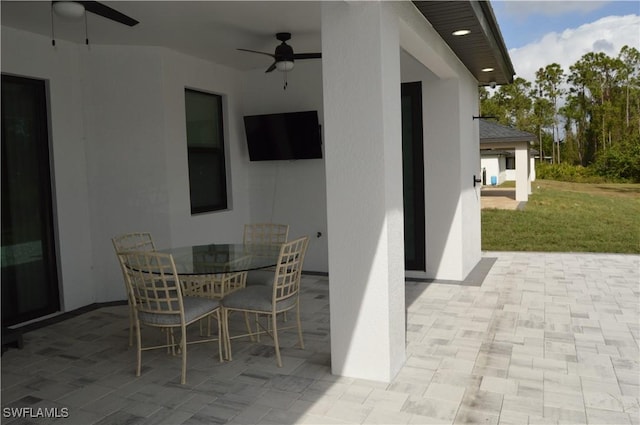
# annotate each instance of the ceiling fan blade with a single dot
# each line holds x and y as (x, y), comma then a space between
(307, 55)
(108, 12)
(255, 51)
(271, 68)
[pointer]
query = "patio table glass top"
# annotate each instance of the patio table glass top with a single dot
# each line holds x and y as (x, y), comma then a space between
(223, 258)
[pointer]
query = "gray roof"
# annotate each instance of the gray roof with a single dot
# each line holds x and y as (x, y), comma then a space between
(491, 132)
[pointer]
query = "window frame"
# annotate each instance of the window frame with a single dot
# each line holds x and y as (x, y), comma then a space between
(509, 162)
(220, 203)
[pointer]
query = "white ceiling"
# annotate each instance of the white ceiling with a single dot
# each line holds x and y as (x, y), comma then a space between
(211, 30)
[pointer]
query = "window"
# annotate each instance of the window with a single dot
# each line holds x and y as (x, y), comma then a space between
(205, 150)
(510, 163)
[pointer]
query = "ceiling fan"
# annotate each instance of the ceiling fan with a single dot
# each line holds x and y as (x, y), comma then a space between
(76, 9)
(283, 56)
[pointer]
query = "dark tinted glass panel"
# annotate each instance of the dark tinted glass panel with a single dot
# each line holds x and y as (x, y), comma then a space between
(29, 268)
(413, 176)
(205, 146)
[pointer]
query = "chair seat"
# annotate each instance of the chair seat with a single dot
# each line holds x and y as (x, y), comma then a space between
(260, 277)
(256, 298)
(194, 307)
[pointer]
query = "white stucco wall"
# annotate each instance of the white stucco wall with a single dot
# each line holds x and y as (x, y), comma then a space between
(363, 147)
(510, 175)
(119, 152)
(470, 243)
(451, 151)
(532, 169)
(180, 71)
(30, 55)
(125, 145)
(291, 192)
(142, 90)
(495, 166)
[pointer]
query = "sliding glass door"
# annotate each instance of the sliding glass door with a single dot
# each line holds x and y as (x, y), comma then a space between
(413, 176)
(29, 267)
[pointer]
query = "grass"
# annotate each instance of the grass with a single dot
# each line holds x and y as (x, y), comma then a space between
(568, 217)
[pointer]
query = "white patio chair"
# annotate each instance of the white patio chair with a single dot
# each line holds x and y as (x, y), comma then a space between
(158, 300)
(270, 300)
(139, 241)
(264, 234)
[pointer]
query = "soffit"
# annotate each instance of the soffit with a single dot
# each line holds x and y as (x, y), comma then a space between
(483, 48)
(213, 30)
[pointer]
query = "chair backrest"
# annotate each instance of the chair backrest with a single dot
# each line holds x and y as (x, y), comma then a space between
(155, 284)
(286, 281)
(265, 233)
(220, 282)
(140, 241)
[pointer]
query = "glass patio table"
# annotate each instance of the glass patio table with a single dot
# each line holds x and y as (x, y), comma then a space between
(223, 258)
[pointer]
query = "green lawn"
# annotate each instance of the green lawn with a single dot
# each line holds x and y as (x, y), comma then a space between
(568, 217)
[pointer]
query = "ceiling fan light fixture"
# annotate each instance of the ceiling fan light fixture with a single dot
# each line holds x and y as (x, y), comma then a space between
(69, 9)
(284, 66)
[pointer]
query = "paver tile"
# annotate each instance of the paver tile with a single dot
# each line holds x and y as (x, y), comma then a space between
(545, 339)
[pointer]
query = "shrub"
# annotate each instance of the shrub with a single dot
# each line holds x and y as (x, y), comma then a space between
(621, 162)
(618, 164)
(568, 173)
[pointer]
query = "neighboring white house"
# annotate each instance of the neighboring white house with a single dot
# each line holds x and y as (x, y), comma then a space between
(117, 137)
(501, 166)
(503, 150)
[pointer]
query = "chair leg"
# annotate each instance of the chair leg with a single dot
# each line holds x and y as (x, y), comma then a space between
(131, 319)
(220, 336)
(171, 341)
(274, 320)
(227, 336)
(139, 348)
(299, 326)
(183, 347)
(248, 325)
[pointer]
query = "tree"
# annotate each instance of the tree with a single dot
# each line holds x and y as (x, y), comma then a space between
(630, 75)
(599, 76)
(543, 118)
(549, 81)
(595, 109)
(511, 104)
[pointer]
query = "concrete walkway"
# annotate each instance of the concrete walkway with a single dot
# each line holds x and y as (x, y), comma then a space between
(544, 338)
(499, 198)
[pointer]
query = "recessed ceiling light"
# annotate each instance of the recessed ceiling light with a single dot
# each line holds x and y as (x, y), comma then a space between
(489, 69)
(461, 32)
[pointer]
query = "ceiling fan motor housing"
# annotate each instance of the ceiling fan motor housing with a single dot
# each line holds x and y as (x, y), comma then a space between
(283, 55)
(284, 52)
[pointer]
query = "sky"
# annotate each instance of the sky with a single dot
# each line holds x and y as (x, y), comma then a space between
(538, 33)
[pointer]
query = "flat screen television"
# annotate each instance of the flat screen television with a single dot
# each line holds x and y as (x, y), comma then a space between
(286, 136)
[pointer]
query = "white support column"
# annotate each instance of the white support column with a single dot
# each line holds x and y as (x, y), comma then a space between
(523, 184)
(363, 160)
(530, 171)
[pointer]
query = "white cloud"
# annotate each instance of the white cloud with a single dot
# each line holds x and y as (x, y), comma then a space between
(607, 35)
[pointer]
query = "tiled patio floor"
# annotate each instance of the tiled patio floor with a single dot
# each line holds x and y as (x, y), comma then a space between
(546, 339)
